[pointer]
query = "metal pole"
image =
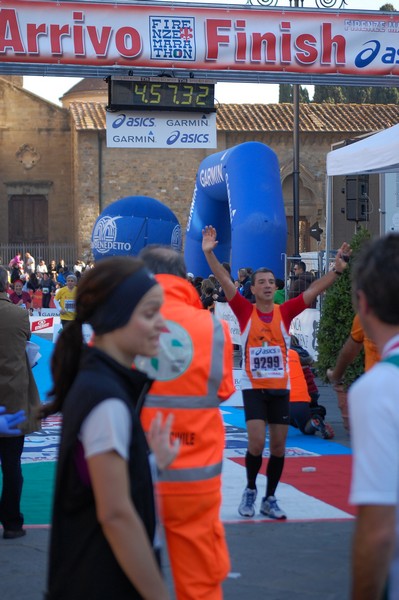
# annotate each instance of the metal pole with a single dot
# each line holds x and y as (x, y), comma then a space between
(328, 223)
(295, 173)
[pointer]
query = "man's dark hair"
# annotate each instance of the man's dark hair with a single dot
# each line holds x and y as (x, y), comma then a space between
(261, 270)
(226, 266)
(376, 273)
(3, 279)
(164, 259)
(280, 284)
(301, 265)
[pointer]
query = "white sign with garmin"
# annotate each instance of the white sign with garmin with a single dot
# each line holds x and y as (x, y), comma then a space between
(160, 129)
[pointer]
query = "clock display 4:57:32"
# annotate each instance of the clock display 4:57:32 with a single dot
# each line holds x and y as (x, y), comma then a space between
(163, 95)
(174, 95)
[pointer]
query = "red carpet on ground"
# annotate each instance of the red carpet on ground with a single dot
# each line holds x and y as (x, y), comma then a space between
(330, 481)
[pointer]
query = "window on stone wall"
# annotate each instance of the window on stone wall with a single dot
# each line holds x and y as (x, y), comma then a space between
(28, 219)
(304, 239)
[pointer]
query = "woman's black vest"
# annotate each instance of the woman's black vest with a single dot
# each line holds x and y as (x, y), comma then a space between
(82, 565)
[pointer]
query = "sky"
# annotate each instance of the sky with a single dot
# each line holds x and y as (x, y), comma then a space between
(52, 88)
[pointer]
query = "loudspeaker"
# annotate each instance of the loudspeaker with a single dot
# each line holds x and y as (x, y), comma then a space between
(357, 198)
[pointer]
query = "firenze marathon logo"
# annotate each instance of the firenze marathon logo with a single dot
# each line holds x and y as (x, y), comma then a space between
(172, 38)
(105, 234)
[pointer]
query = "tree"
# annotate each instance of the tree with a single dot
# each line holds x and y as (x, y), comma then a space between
(336, 319)
(333, 94)
(285, 93)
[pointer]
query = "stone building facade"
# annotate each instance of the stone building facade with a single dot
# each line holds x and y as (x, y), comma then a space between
(57, 173)
(35, 168)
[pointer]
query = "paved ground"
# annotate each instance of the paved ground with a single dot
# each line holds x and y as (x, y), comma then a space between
(273, 561)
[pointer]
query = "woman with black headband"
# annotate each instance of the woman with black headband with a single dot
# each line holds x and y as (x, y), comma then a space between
(103, 538)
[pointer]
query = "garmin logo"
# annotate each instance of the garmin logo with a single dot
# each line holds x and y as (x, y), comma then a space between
(134, 139)
(203, 122)
(104, 236)
(211, 176)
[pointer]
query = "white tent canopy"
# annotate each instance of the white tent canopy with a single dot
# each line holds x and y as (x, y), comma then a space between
(378, 153)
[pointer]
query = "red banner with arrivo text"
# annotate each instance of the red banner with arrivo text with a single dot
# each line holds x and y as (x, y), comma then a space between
(206, 37)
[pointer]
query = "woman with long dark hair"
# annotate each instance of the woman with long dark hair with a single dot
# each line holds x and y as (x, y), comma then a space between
(103, 539)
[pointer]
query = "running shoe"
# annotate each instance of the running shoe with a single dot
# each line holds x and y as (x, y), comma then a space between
(271, 509)
(247, 505)
(327, 432)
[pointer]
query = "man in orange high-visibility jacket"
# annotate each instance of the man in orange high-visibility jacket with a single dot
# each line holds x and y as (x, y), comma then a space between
(349, 351)
(193, 374)
(302, 416)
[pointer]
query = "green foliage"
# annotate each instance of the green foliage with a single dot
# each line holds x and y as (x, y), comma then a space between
(303, 94)
(332, 94)
(286, 95)
(336, 319)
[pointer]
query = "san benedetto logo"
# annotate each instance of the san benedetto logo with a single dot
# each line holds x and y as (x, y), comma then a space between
(105, 234)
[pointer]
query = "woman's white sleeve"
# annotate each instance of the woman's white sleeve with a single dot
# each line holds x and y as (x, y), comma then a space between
(107, 427)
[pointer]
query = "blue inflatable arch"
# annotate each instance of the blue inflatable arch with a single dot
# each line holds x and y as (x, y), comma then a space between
(238, 191)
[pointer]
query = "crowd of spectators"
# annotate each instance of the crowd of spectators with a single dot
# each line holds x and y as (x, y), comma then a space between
(31, 276)
(28, 278)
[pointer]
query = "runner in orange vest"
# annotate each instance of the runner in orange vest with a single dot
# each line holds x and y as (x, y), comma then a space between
(193, 374)
(265, 339)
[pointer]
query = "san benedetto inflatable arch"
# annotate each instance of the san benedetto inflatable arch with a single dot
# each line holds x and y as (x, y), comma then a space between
(238, 191)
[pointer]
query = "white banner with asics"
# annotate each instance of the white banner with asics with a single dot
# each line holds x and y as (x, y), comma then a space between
(160, 129)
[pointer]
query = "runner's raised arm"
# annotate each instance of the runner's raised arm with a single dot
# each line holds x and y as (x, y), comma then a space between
(209, 243)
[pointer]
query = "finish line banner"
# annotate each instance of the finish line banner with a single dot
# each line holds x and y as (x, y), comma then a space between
(143, 129)
(201, 37)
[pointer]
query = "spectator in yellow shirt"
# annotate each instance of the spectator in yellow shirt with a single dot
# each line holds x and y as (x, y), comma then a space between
(65, 300)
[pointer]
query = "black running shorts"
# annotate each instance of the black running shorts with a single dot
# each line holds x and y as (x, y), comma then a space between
(272, 406)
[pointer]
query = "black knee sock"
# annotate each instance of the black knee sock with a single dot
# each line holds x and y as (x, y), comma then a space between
(273, 473)
(252, 465)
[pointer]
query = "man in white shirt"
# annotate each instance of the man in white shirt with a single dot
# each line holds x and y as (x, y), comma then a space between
(374, 415)
(29, 263)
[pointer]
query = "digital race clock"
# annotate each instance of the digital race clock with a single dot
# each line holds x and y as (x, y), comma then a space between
(161, 93)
